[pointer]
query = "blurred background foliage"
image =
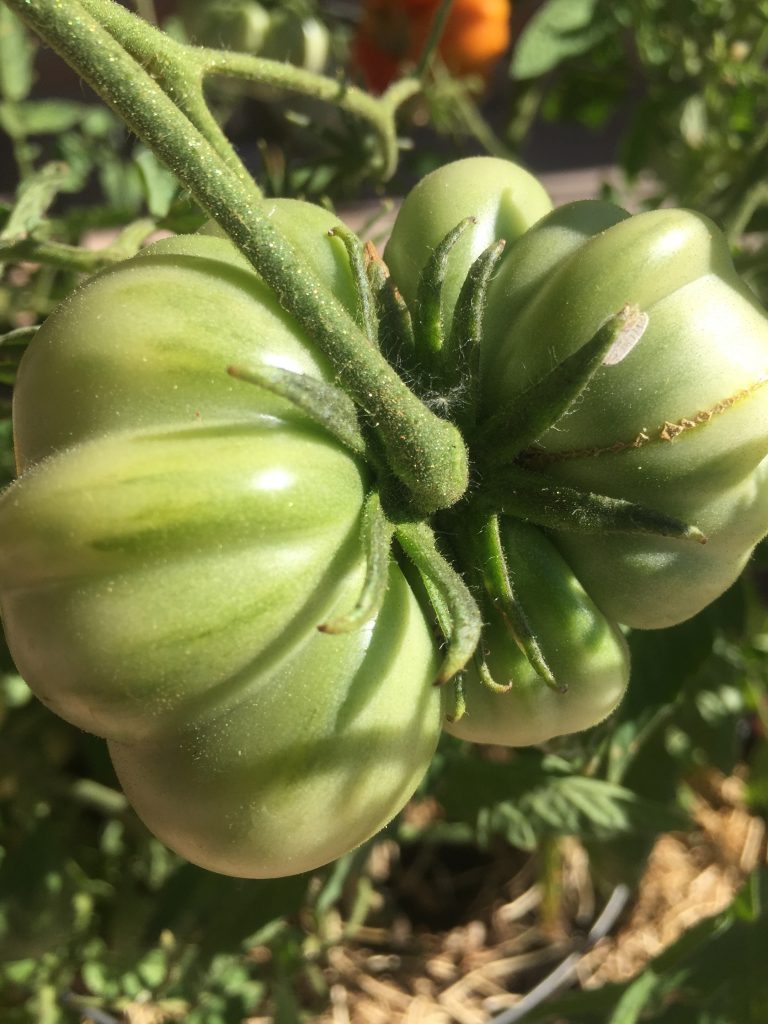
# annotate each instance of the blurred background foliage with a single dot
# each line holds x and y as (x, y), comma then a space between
(98, 921)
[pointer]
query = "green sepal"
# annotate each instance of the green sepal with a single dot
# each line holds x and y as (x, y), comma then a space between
(537, 498)
(507, 433)
(377, 541)
(461, 352)
(395, 325)
(455, 600)
(428, 326)
(366, 315)
(328, 406)
(458, 705)
(498, 585)
(484, 674)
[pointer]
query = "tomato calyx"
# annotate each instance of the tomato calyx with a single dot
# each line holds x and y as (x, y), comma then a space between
(455, 608)
(443, 368)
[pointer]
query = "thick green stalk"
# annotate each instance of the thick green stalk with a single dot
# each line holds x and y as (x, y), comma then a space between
(181, 68)
(424, 452)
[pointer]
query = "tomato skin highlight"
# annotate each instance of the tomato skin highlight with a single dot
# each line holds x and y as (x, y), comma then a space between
(172, 544)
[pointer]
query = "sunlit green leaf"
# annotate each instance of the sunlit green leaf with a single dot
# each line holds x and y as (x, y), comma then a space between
(558, 30)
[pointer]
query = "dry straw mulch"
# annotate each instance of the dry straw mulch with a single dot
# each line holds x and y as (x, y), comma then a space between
(467, 974)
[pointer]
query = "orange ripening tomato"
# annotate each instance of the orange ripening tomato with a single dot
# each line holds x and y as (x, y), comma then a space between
(393, 33)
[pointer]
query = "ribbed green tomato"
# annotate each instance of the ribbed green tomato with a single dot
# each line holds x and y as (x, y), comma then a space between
(504, 199)
(680, 424)
(171, 546)
(585, 651)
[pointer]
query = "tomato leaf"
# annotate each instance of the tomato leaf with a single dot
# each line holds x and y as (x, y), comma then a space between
(535, 795)
(559, 29)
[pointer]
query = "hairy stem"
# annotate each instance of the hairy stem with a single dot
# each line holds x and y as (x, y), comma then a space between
(427, 454)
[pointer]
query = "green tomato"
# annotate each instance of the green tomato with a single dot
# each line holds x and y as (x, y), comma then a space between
(247, 26)
(585, 651)
(171, 546)
(679, 425)
(504, 199)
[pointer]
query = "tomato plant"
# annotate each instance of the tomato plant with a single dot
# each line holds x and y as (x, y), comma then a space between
(271, 472)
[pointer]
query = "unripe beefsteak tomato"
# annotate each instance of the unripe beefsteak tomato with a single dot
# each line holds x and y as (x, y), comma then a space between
(171, 546)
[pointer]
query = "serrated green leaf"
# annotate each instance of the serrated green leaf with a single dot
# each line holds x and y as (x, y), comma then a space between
(534, 796)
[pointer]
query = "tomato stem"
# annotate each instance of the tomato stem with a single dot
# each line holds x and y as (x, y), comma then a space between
(143, 75)
(75, 257)
(182, 68)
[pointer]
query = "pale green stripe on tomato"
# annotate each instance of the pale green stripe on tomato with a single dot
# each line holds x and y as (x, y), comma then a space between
(140, 572)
